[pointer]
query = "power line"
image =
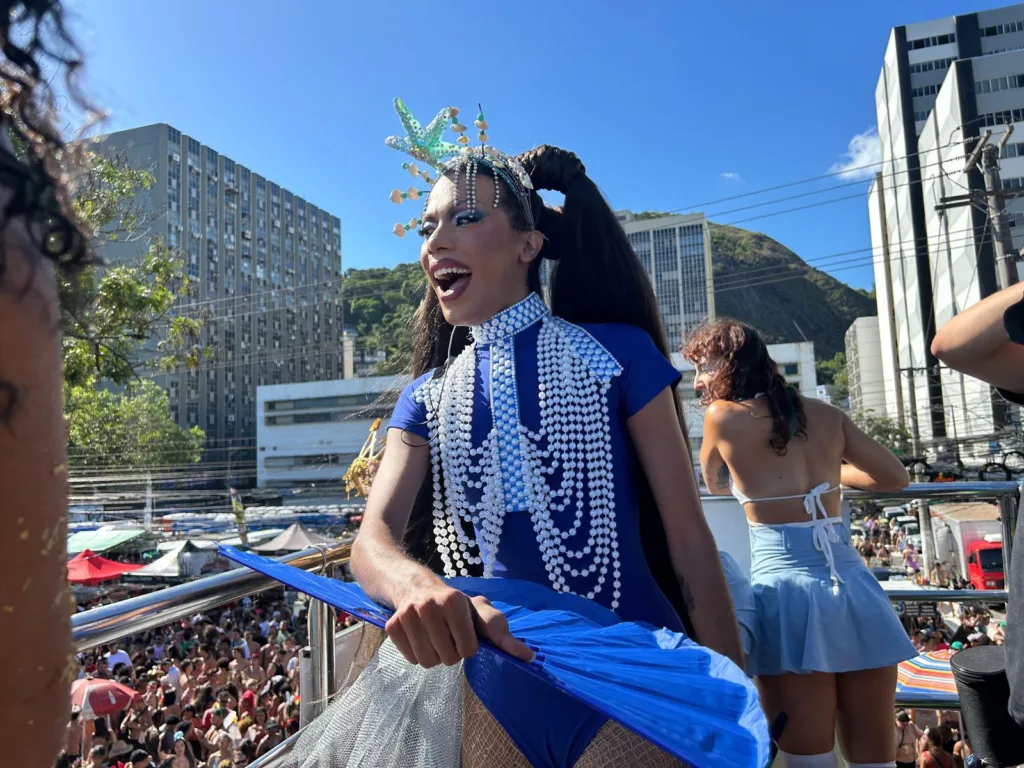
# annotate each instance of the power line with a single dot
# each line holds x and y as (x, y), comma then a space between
(830, 175)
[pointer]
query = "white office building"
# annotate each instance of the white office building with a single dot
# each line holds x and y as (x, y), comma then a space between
(942, 84)
(676, 252)
(309, 433)
(864, 367)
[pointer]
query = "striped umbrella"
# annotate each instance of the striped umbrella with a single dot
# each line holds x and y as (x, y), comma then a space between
(927, 674)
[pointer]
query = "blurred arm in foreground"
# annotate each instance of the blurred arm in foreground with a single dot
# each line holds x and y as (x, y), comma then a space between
(986, 341)
(38, 241)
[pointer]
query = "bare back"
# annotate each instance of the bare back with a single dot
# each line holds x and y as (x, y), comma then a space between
(759, 472)
(833, 451)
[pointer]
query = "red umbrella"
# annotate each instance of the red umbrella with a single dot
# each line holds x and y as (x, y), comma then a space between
(90, 569)
(101, 697)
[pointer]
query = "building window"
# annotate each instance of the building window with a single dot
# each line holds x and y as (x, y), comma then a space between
(173, 136)
(924, 90)
(996, 84)
(928, 42)
(790, 369)
(919, 116)
(1003, 29)
(1013, 183)
(1005, 117)
(928, 66)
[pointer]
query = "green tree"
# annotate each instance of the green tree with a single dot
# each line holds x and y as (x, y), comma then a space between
(885, 430)
(379, 306)
(834, 372)
(116, 322)
(130, 428)
(116, 319)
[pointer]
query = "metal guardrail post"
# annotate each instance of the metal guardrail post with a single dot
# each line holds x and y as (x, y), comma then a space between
(321, 647)
(924, 522)
(1009, 509)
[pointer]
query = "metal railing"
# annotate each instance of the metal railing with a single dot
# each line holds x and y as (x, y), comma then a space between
(138, 614)
(1007, 497)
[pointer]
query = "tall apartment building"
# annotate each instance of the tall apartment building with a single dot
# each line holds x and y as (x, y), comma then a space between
(942, 83)
(265, 271)
(864, 367)
(676, 252)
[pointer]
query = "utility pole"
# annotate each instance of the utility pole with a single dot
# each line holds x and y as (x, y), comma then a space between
(995, 199)
(1006, 257)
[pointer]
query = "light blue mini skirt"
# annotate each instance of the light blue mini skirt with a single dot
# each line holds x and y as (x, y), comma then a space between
(819, 608)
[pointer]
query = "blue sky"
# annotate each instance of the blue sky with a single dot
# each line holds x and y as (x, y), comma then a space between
(669, 104)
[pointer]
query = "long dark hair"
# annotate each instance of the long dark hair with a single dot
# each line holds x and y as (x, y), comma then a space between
(596, 277)
(35, 161)
(743, 369)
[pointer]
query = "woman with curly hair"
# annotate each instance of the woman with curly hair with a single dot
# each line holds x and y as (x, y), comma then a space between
(827, 641)
(39, 240)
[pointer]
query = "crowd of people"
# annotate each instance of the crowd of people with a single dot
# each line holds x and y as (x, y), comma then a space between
(215, 691)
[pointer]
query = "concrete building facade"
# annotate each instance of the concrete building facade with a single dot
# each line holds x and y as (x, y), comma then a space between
(676, 252)
(265, 270)
(942, 83)
(309, 433)
(864, 367)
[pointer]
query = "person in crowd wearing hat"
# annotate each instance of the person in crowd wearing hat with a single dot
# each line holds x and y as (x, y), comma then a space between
(986, 341)
(119, 751)
(907, 736)
(275, 735)
(956, 646)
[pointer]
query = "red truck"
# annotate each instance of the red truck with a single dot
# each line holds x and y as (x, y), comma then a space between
(968, 538)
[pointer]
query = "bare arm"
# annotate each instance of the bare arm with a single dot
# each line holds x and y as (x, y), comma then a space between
(660, 445)
(712, 465)
(975, 342)
(433, 623)
(870, 466)
(379, 561)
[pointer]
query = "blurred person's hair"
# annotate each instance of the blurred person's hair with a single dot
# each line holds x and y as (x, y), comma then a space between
(934, 736)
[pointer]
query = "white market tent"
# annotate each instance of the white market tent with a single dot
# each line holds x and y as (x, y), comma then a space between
(295, 539)
(184, 560)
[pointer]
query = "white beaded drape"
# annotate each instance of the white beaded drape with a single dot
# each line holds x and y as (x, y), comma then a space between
(561, 475)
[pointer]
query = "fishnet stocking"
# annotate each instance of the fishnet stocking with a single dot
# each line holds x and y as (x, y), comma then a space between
(486, 744)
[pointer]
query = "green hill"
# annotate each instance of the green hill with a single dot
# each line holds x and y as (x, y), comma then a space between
(761, 282)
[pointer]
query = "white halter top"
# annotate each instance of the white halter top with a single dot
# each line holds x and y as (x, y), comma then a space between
(823, 534)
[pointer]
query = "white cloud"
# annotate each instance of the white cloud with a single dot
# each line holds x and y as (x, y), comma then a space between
(731, 176)
(863, 156)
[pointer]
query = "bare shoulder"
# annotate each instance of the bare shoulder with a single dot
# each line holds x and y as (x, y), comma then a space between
(721, 412)
(820, 411)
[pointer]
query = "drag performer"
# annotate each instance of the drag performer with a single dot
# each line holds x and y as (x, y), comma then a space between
(538, 457)
(38, 241)
(827, 640)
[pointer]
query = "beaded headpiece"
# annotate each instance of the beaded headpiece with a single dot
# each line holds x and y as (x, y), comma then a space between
(427, 146)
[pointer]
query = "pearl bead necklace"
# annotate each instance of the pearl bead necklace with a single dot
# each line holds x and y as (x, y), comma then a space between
(559, 473)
